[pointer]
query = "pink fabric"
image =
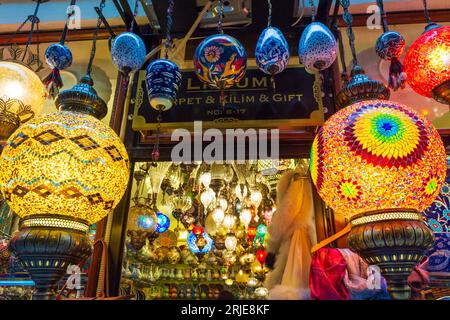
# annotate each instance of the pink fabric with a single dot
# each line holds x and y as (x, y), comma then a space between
(327, 274)
(419, 278)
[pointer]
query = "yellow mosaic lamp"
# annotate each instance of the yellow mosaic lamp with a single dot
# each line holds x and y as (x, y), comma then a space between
(381, 164)
(62, 172)
(22, 96)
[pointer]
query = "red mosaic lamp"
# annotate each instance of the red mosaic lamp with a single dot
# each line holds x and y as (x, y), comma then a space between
(427, 62)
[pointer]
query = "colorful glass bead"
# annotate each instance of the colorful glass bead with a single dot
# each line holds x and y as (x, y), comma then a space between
(427, 61)
(317, 48)
(220, 61)
(373, 146)
(163, 81)
(58, 56)
(128, 52)
(390, 45)
(272, 51)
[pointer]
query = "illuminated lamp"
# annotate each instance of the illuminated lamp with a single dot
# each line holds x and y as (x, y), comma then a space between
(207, 197)
(22, 96)
(261, 256)
(380, 164)
(245, 217)
(229, 221)
(427, 63)
(61, 173)
(231, 242)
(251, 233)
(218, 215)
(199, 242)
(163, 223)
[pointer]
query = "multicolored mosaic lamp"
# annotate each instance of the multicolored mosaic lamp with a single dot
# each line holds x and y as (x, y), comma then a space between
(427, 62)
(380, 164)
(61, 173)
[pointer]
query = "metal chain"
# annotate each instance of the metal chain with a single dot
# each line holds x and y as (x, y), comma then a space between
(348, 19)
(135, 12)
(169, 26)
(425, 8)
(219, 24)
(383, 15)
(313, 10)
(269, 19)
(33, 20)
(94, 40)
(66, 26)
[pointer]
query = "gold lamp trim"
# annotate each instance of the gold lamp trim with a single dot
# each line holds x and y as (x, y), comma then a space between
(384, 216)
(55, 222)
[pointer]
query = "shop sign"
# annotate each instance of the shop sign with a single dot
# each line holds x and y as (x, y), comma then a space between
(253, 103)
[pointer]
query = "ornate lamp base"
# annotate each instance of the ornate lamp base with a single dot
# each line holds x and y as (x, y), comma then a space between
(46, 245)
(442, 93)
(393, 240)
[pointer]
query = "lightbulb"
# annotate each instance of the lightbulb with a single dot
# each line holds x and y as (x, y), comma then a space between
(245, 217)
(205, 179)
(256, 198)
(223, 203)
(252, 282)
(229, 221)
(218, 215)
(207, 197)
(231, 242)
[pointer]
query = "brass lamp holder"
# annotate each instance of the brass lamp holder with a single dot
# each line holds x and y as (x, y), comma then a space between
(46, 245)
(395, 241)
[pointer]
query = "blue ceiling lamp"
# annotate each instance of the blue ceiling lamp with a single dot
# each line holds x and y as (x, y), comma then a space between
(317, 48)
(390, 46)
(58, 57)
(272, 50)
(163, 223)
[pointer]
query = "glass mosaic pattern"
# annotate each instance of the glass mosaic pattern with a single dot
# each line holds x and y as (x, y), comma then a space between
(427, 61)
(376, 155)
(64, 163)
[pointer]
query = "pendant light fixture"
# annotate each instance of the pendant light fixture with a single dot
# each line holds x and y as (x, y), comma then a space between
(61, 173)
(317, 48)
(370, 146)
(390, 46)
(22, 94)
(58, 57)
(220, 60)
(272, 50)
(427, 62)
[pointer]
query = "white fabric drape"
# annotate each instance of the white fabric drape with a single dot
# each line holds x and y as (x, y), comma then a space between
(292, 234)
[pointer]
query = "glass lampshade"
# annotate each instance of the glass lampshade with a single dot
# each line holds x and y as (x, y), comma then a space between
(377, 155)
(207, 197)
(427, 61)
(230, 242)
(66, 164)
(245, 217)
(218, 215)
(229, 221)
(21, 83)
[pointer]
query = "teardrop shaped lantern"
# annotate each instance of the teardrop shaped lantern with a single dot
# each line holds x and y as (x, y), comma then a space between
(317, 48)
(163, 81)
(272, 51)
(128, 52)
(220, 61)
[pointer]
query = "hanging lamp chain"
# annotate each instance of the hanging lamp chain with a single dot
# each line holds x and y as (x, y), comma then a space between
(425, 9)
(313, 10)
(135, 12)
(383, 15)
(70, 13)
(220, 23)
(34, 20)
(169, 26)
(94, 40)
(348, 19)
(269, 19)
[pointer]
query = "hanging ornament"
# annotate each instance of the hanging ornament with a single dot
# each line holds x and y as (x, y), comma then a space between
(128, 51)
(220, 60)
(272, 50)
(427, 62)
(317, 48)
(163, 76)
(231, 242)
(261, 256)
(58, 57)
(218, 215)
(245, 217)
(390, 46)
(207, 197)
(163, 223)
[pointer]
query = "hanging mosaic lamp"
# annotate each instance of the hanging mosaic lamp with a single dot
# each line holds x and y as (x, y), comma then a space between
(261, 256)
(128, 52)
(199, 242)
(370, 146)
(220, 60)
(427, 62)
(163, 222)
(58, 57)
(163, 76)
(272, 50)
(390, 46)
(317, 48)
(61, 173)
